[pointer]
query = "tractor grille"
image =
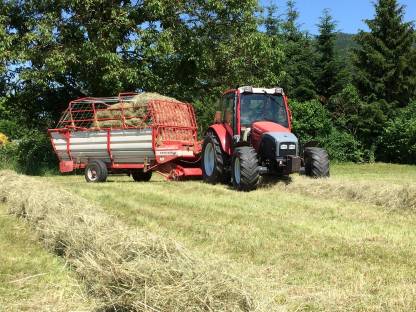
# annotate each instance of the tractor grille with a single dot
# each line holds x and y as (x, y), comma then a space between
(285, 150)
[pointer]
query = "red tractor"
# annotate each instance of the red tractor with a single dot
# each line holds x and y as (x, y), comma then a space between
(252, 137)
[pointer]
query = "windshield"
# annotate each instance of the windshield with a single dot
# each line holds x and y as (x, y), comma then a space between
(262, 107)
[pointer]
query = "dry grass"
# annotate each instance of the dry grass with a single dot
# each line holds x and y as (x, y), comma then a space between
(125, 269)
(315, 252)
(31, 279)
(134, 111)
(387, 195)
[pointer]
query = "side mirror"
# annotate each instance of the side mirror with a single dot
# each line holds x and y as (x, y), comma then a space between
(218, 117)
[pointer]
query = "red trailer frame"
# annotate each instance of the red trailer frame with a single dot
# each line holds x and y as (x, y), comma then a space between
(173, 125)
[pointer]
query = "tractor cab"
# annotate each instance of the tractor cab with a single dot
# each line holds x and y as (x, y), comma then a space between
(252, 136)
(242, 107)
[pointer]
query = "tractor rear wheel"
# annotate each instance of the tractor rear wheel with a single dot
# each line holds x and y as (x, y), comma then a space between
(316, 162)
(96, 171)
(245, 169)
(141, 176)
(213, 160)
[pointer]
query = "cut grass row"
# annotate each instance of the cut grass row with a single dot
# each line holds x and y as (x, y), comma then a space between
(316, 253)
(123, 268)
(31, 279)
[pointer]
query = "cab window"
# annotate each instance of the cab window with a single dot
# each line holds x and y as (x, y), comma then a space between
(228, 109)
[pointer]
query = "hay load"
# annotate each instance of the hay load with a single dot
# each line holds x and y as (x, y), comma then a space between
(125, 269)
(134, 111)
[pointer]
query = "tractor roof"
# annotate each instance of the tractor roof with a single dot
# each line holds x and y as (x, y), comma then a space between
(250, 89)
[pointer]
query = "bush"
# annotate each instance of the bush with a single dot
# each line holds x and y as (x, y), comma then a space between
(205, 113)
(312, 122)
(8, 154)
(398, 142)
(34, 155)
(342, 146)
(11, 129)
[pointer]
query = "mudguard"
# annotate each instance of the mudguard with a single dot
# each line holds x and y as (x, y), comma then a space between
(224, 134)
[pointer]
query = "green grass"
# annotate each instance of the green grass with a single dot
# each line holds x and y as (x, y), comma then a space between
(313, 253)
(31, 279)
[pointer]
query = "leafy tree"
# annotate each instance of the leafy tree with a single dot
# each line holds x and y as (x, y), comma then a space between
(299, 64)
(312, 123)
(272, 23)
(363, 120)
(186, 49)
(398, 142)
(384, 70)
(331, 74)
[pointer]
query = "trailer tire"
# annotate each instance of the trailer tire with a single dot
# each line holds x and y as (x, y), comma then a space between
(316, 162)
(141, 176)
(213, 160)
(245, 169)
(96, 171)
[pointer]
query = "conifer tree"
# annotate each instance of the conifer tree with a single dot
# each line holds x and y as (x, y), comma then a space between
(298, 49)
(332, 76)
(384, 70)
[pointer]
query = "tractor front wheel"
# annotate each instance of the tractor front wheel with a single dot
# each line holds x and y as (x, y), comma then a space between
(213, 160)
(245, 169)
(96, 171)
(316, 162)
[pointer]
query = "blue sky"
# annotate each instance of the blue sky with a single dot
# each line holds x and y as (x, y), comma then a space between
(348, 13)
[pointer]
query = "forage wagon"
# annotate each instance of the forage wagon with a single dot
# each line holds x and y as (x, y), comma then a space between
(130, 133)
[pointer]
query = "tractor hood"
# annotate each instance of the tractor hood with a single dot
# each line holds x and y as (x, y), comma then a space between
(261, 127)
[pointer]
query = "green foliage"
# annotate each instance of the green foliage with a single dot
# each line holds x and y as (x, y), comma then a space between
(384, 59)
(312, 123)
(11, 128)
(8, 154)
(34, 154)
(52, 52)
(331, 74)
(205, 112)
(342, 146)
(398, 142)
(300, 58)
(344, 43)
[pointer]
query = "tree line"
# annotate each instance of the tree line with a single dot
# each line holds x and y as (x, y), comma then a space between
(360, 106)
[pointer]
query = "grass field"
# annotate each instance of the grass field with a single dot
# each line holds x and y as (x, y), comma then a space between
(31, 279)
(345, 244)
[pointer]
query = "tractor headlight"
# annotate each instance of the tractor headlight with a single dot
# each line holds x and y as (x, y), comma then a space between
(292, 146)
(283, 147)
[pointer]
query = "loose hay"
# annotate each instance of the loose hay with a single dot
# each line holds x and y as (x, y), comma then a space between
(386, 195)
(134, 111)
(125, 269)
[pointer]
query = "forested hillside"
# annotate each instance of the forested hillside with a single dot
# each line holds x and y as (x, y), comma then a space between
(344, 43)
(354, 95)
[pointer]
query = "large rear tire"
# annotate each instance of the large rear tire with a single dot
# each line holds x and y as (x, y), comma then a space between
(141, 176)
(96, 171)
(316, 162)
(213, 160)
(245, 169)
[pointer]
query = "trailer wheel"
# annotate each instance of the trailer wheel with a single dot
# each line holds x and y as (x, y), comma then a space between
(96, 171)
(245, 169)
(141, 176)
(213, 160)
(316, 162)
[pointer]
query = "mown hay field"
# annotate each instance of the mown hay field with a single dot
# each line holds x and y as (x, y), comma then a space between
(31, 279)
(342, 244)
